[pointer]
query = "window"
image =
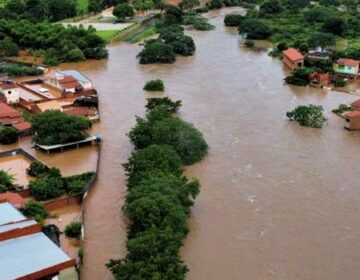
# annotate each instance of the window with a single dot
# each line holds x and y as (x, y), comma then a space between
(9, 92)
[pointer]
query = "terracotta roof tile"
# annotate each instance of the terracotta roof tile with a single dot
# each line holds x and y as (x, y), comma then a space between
(348, 62)
(293, 54)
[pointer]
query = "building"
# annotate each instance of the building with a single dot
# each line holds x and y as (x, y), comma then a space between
(14, 199)
(10, 117)
(346, 67)
(69, 84)
(352, 120)
(85, 83)
(26, 252)
(44, 106)
(9, 92)
(293, 58)
(319, 80)
(355, 105)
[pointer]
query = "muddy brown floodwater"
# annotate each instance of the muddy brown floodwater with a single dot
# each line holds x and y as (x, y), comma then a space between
(278, 201)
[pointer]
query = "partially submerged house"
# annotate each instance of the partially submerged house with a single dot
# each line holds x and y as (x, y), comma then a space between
(293, 58)
(347, 68)
(9, 92)
(44, 106)
(320, 80)
(85, 83)
(352, 120)
(10, 117)
(26, 252)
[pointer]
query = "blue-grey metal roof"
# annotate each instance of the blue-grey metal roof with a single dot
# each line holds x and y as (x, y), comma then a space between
(28, 254)
(21, 224)
(9, 214)
(75, 74)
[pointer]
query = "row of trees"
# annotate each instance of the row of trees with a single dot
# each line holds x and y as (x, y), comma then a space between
(39, 10)
(159, 196)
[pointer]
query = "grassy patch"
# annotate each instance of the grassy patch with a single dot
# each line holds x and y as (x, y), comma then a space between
(107, 35)
(82, 5)
(143, 35)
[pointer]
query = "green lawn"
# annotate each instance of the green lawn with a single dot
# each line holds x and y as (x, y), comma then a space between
(107, 35)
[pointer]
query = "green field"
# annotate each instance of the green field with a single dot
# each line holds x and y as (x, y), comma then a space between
(107, 35)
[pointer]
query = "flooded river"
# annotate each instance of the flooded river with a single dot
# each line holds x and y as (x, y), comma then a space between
(278, 201)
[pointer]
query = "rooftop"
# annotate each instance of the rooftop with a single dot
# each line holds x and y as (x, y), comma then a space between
(21, 126)
(30, 254)
(14, 199)
(353, 114)
(356, 103)
(7, 85)
(69, 82)
(49, 105)
(8, 214)
(348, 62)
(293, 54)
(76, 74)
(7, 111)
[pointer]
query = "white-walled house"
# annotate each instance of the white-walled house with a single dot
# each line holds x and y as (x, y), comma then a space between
(85, 83)
(10, 92)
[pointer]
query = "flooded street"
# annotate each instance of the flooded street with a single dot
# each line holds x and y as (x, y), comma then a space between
(278, 201)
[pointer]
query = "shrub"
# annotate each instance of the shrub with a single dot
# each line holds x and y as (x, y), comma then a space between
(233, 19)
(156, 52)
(154, 158)
(197, 21)
(55, 127)
(231, 3)
(8, 47)
(162, 128)
(249, 43)
(7, 182)
(310, 115)
(299, 76)
(154, 85)
(37, 168)
(339, 82)
(47, 187)
(341, 109)
(123, 10)
(35, 210)
(75, 55)
(164, 103)
(73, 230)
(254, 29)
(214, 4)
(76, 184)
(202, 10)
(282, 46)
(8, 135)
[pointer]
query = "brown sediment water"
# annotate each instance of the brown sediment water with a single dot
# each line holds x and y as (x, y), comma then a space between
(278, 201)
(16, 166)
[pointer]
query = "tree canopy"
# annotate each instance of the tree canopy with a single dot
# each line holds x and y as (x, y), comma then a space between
(55, 127)
(311, 115)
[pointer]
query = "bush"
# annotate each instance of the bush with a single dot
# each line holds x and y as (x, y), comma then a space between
(299, 76)
(8, 47)
(152, 159)
(231, 3)
(154, 85)
(37, 168)
(35, 210)
(73, 230)
(339, 82)
(13, 69)
(123, 10)
(255, 29)
(164, 103)
(197, 21)
(76, 184)
(214, 4)
(8, 135)
(233, 19)
(341, 109)
(249, 43)
(7, 182)
(162, 128)
(47, 187)
(202, 10)
(156, 52)
(55, 127)
(75, 55)
(310, 115)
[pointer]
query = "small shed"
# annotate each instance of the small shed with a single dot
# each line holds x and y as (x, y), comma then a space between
(352, 120)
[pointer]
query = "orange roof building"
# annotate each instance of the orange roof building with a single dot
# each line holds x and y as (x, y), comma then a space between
(293, 58)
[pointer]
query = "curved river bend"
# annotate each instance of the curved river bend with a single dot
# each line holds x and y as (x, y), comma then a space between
(278, 201)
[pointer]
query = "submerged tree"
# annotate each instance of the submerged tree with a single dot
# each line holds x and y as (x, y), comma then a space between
(311, 115)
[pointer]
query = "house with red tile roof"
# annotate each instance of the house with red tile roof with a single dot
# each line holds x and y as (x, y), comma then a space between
(293, 58)
(347, 67)
(69, 84)
(355, 105)
(10, 117)
(352, 120)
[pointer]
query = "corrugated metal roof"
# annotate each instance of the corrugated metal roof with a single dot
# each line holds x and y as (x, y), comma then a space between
(9, 214)
(22, 224)
(76, 74)
(28, 254)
